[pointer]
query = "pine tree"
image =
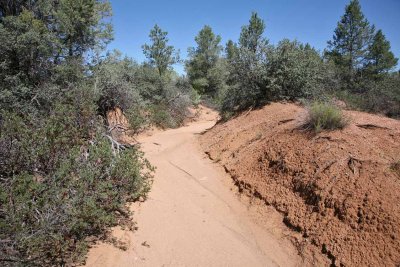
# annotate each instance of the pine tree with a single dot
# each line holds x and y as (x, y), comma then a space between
(230, 50)
(203, 60)
(47, 39)
(381, 59)
(82, 25)
(247, 72)
(159, 53)
(251, 35)
(351, 40)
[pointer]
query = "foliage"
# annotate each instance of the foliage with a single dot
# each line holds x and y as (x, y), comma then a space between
(295, 71)
(325, 116)
(203, 66)
(161, 117)
(61, 182)
(230, 50)
(247, 73)
(350, 43)
(60, 179)
(43, 42)
(159, 53)
(363, 62)
(356, 68)
(150, 83)
(167, 96)
(259, 73)
(380, 58)
(83, 26)
(172, 109)
(144, 96)
(251, 35)
(359, 53)
(382, 96)
(115, 83)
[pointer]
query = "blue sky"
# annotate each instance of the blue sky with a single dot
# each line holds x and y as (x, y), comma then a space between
(310, 21)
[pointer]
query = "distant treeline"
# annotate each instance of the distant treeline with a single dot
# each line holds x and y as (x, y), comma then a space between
(357, 67)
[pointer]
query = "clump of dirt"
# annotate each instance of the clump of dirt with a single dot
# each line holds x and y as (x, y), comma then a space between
(337, 188)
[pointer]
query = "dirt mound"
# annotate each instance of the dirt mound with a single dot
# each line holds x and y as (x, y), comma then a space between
(338, 189)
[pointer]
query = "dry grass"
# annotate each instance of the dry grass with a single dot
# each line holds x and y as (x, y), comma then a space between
(325, 116)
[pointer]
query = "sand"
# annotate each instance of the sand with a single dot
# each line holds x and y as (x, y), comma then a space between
(193, 215)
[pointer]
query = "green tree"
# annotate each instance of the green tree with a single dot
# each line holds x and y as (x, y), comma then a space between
(14, 8)
(230, 50)
(295, 70)
(351, 40)
(381, 59)
(82, 25)
(203, 60)
(159, 53)
(251, 35)
(26, 50)
(247, 68)
(45, 41)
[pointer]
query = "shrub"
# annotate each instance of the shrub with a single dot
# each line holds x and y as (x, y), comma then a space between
(115, 83)
(143, 95)
(248, 81)
(171, 107)
(378, 96)
(61, 181)
(66, 189)
(290, 71)
(383, 96)
(295, 70)
(325, 116)
(161, 117)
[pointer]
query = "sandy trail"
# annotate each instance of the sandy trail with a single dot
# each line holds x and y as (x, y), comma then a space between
(192, 216)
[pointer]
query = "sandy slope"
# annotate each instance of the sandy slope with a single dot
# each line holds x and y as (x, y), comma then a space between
(192, 216)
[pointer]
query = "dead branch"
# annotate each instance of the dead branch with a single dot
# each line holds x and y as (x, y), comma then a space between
(115, 145)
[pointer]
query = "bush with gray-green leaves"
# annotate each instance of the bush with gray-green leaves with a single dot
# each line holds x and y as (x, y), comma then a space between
(63, 178)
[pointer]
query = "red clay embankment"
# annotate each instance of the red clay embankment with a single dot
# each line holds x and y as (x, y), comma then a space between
(337, 188)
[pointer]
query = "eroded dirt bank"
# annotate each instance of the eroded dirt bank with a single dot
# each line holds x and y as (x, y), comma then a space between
(337, 189)
(192, 218)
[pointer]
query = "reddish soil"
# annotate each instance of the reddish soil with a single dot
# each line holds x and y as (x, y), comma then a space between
(339, 189)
